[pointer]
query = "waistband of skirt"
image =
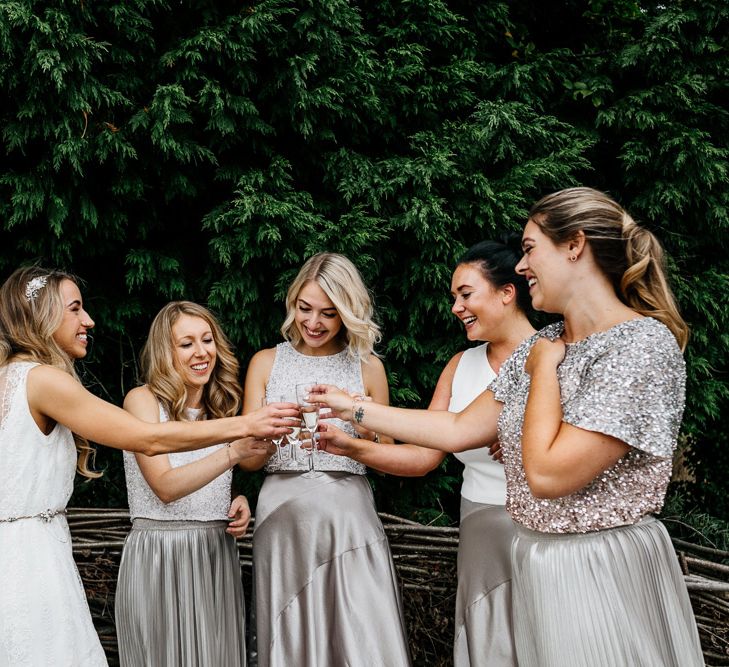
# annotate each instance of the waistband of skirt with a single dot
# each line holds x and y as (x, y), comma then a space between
(141, 523)
(523, 531)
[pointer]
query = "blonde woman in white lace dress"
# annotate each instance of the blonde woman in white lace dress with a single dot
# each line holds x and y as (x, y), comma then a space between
(44, 616)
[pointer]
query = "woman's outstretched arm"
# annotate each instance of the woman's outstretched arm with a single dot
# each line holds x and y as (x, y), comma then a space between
(55, 396)
(441, 430)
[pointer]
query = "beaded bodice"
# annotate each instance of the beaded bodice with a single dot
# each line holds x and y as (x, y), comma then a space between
(291, 368)
(209, 503)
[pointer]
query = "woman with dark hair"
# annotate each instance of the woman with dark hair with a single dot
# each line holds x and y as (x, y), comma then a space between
(46, 417)
(492, 302)
(587, 413)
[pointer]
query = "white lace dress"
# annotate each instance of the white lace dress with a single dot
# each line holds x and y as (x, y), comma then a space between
(44, 616)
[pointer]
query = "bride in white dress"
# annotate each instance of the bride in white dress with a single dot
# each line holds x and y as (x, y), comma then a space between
(44, 616)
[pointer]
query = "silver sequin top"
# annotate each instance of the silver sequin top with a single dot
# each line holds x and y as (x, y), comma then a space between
(627, 382)
(291, 368)
(210, 503)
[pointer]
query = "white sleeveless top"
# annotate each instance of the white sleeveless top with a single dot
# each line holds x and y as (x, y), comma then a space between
(483, 478)
(210, 503)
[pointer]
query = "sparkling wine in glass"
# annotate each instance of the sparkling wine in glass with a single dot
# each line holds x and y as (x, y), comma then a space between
(292, 438)
(277, 440)
(310, 414)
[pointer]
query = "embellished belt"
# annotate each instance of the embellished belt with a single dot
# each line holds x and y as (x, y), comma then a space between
(45, 515)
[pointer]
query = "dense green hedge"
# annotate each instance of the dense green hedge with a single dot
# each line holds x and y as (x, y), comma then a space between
(204, 149)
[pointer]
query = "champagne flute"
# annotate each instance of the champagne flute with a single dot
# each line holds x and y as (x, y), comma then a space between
(310, 413)
(293, 437)
(277, 440)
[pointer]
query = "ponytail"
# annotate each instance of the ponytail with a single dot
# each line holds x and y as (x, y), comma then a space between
(643, 285)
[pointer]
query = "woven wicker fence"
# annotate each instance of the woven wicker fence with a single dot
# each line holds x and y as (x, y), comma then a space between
(425, 557)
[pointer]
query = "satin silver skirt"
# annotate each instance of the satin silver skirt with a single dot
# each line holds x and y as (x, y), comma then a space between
(326, 591)
(484, 635)
(612, 598)
(179, 598)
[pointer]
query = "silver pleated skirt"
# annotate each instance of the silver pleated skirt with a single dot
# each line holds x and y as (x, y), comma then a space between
(326, 591)
(484, 635)
(179, 598)
(612, 598)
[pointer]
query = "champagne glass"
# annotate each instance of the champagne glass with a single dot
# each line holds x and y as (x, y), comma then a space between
(293, 437)
(277, 440)
(310, 414)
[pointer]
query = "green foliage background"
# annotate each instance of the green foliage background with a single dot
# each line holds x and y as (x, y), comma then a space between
(203, 149)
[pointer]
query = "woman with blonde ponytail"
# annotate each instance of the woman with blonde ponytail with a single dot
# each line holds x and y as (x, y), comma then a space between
(587, 412)
(44, 617)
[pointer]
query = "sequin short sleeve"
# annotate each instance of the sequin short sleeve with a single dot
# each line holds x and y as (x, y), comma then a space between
(511, 374)
(632, 387)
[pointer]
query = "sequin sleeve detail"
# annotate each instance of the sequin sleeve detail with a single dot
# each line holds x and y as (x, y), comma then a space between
(512, 370)
(632, 389)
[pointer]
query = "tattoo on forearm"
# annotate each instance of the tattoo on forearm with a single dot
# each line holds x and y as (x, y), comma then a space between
(359, 414)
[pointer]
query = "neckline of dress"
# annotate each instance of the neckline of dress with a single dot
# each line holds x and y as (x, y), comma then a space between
(316, 356)
(614, 327)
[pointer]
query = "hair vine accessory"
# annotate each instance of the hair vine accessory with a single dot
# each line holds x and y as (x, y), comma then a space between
(34, 286)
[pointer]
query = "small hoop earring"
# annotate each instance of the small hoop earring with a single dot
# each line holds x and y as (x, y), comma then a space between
(573, 258)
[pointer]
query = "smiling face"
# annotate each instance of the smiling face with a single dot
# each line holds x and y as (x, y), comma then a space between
(194, 351)
(71, 335)
(545, 265)
(476, 302)
(317, 321)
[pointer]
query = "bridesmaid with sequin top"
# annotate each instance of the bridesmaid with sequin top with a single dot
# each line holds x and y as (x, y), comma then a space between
(587, 412)
(492, 302)
(326, 592)
(179, 599)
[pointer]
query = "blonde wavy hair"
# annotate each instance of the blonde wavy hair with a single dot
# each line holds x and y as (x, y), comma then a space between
(630, 255)
(343, 284)
(222, 395)
(27, 326)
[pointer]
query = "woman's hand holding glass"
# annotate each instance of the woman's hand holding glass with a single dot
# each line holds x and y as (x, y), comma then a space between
(335, 441)
(246, 448)
(339, 401)
(270, 421)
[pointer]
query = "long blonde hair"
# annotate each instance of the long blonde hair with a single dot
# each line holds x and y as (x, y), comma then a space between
(343, 284)
(630, 255)
(28, 319)
(222, 395)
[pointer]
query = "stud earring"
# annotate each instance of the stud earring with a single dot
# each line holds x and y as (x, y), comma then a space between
(573, 258)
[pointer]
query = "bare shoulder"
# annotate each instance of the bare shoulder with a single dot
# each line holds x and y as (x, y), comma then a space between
(142, 403)
(46, 373)
(442, 394)
(372, 368)
(449, 370)
(261, 362)
(451, 366)
(374, 379)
